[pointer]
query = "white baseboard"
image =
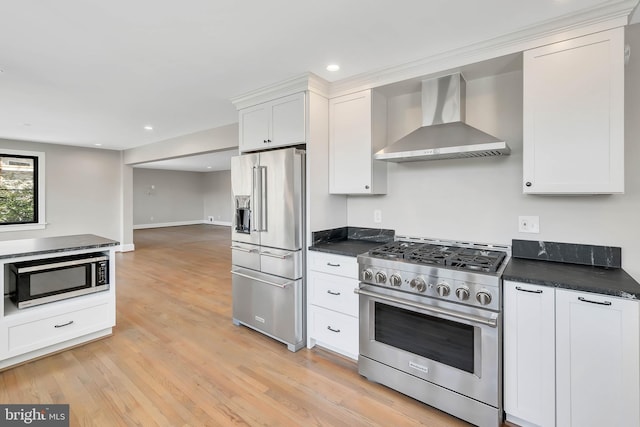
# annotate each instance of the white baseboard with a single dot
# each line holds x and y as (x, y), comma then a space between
(179, 223)
(166, 224)
(225, 223)
(126, 247)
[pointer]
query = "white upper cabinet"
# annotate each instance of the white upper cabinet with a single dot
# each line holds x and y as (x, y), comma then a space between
(573, 116)
(357, 129)
(276, 123)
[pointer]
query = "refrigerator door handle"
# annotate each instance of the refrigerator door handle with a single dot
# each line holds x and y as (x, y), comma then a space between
(263, 198)
(255, 207)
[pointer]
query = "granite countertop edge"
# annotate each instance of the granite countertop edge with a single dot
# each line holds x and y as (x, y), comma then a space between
(50, 245)
(598, 280)
(347, 247)
(350, 241)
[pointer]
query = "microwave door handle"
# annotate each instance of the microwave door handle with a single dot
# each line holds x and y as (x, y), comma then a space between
(93, 275)
(49, 266)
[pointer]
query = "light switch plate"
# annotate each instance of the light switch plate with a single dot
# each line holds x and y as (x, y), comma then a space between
(529, 224)
(377, 216)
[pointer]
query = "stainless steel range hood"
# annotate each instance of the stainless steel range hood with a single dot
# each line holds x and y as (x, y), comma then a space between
(443, 134)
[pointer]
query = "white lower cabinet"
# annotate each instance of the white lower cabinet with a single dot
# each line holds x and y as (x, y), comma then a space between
(571, 359)
(529, 354)
(597, 360)
(334, 330)
(36, 334)
(333, 306)
(33, 332)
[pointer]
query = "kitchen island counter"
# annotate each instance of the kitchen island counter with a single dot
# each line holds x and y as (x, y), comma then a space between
(48, 245)
(350, 241)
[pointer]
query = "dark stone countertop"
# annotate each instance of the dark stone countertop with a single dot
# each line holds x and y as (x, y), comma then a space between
(47, 245)
(601, 280)
(347, 247)
(350, 241)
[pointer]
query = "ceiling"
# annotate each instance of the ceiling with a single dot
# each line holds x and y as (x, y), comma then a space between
(94, 73)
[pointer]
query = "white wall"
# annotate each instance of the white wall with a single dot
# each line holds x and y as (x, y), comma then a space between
(480, 199)
(176, 196)
(83, 191)
(216, 187)
(180, 197)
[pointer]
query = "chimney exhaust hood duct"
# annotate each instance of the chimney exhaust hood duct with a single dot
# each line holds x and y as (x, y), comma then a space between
(443, 134)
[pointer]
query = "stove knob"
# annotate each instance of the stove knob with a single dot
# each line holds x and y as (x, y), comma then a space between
(483, 297)
(367, 275)
(418, 284)
(443, 289)
(395, 280)
(381, 277)
(462, 293)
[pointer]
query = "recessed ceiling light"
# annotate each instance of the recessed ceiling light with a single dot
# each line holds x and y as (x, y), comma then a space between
(148, 127)
(98, 145)
(333, 67)
(209, 167)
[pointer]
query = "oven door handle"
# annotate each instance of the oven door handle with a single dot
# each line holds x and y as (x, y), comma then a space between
(493, 322)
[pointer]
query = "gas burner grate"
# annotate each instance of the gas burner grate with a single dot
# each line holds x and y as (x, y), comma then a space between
(394, 250)
(462, 258)
(430, 254)
(474, 259)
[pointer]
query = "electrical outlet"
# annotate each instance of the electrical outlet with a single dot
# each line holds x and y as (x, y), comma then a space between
(377, 216)
(529, 224)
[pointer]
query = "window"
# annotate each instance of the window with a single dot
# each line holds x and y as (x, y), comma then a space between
(21, 190)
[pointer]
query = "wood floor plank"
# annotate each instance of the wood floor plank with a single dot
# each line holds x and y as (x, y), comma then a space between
(176, 359)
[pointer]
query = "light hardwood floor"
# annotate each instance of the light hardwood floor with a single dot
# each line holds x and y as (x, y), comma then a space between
(176, 359)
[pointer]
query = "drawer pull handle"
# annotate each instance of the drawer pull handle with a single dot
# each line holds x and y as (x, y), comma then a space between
(332, 292)
(272, 255)
(333, 330)
(333, 265)
(64, 324)
(595, 302)
(537, 291)
(249, 251)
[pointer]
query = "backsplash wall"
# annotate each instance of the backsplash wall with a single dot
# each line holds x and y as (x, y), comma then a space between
(480, 199)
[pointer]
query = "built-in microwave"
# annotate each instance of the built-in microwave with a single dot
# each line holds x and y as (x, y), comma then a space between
(46, 280)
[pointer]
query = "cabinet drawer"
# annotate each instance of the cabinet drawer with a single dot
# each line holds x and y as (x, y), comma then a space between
(334, 292)
(334, 264)
(52, 330)
(337, 332)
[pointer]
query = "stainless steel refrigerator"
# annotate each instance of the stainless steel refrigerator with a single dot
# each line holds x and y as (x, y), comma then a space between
(268, 190)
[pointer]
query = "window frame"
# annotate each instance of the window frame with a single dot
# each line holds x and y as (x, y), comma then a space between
(40, 196)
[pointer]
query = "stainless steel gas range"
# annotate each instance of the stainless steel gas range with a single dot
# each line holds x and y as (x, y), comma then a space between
(431, 323)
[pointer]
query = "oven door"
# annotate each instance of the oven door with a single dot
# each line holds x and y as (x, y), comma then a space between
(453, 346)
